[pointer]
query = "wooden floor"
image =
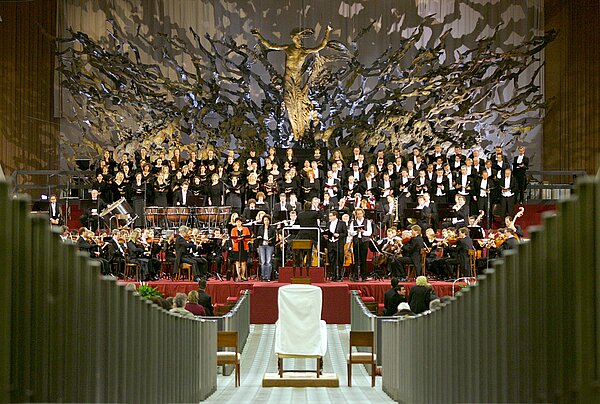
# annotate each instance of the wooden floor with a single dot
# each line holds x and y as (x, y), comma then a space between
(258, 358)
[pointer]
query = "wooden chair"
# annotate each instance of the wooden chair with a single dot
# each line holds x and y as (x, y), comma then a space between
(473, 263)
(361, 339)
(131, 268)
(229, 339)
(412, 269)
(184, 267)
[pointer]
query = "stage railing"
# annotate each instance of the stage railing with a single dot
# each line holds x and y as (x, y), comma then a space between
(69, 335)
(361, 319)
(528, 332)
(237, 319)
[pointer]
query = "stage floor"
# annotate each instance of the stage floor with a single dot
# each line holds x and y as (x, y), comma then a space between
(263, 302)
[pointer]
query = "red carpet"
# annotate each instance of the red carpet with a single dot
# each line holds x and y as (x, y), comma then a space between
(263, 306)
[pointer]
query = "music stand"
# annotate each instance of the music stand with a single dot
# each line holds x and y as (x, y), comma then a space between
(475, 232)
(280, 215)
(250, 214)
(300, 246)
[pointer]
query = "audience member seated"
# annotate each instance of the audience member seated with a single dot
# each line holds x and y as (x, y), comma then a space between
(420, 295)
(393, 297)
(179, 305)
(192, 304)
(204, 298)
(404, 310)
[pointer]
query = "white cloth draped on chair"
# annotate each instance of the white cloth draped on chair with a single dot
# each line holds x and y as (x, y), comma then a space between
(299, 329)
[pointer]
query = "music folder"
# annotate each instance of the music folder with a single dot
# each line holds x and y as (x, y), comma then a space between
(327, 233)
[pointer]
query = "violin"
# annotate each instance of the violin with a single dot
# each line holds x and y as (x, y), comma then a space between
(499, 239)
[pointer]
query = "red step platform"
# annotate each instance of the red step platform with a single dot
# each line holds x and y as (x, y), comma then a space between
(316, 274)
(263, 301)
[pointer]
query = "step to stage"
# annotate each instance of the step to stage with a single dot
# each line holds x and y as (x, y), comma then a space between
(315, 274)
(301, 379)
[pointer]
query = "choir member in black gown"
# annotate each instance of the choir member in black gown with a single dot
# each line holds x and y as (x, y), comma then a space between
(215, 191)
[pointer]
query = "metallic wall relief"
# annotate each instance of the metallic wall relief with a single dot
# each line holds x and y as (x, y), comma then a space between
(230, 94)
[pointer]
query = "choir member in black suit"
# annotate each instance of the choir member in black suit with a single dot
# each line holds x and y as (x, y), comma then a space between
(436, 154)
(520, 167)
(336, 235)
(183, 196)
(282, 208)
(482, 194)
(361, 229)
(508, 190)
(55, 212)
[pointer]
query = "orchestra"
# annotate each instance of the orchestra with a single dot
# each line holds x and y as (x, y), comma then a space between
(228, 213)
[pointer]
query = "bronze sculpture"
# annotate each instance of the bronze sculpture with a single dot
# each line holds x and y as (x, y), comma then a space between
(299, 107)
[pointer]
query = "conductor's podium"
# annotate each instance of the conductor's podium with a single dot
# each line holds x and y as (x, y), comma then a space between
(302, 275)
(300, 334)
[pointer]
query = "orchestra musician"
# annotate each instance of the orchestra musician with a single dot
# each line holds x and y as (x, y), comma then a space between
(135, 255)
(389, 252)
(462, 212)
(424, 220)
(509, 222)
(86, 243)
(463, 246)
(183, 255)
(361, 229)
(411, 252)
(215, 255)
(90, 216)
(511, 242)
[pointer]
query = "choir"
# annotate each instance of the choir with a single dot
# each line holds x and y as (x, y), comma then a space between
(363, 203)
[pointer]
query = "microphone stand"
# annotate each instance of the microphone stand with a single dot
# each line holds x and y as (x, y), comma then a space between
(98, 214)
(489, 215)
(144, 216)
